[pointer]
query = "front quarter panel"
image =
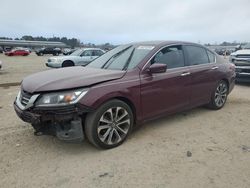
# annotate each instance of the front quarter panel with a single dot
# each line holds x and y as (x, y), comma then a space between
(127, 88)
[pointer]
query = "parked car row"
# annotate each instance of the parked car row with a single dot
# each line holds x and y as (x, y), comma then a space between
(224, 52)
(68, 51)
(122, 88)
(52, 51)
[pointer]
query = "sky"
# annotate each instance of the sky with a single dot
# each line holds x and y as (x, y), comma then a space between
(123, 21)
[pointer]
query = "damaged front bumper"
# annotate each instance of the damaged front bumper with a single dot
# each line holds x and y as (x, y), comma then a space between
(64, 122)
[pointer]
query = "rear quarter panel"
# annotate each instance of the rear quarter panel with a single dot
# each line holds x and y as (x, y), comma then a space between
(226, 71)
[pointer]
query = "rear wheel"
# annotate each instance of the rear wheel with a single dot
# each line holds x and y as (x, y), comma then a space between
(219, 97)
(68, 64)
(109, 125)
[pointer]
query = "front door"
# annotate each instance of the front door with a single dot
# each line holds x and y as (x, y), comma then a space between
(167, 92)
(87, 56)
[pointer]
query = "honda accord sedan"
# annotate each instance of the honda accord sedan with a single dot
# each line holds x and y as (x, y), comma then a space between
(122, 88)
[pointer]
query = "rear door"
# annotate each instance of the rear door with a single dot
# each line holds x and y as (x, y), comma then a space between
(17, 52)
(98, 53)
(166, 92)
(203, 73)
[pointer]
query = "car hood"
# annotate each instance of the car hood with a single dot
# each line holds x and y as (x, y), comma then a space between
(241, 52)
(68, 78)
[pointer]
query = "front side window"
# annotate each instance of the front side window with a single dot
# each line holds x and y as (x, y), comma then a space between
(171, 56)
(196, 55)
(87, 53)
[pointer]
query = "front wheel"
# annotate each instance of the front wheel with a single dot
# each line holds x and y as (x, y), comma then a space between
(109, 125)
(68, 63)
(219, 97)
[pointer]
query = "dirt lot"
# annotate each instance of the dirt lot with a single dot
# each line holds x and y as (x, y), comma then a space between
(198, 148)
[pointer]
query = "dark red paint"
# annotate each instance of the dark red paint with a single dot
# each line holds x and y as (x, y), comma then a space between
(150, 95)
(17, 53)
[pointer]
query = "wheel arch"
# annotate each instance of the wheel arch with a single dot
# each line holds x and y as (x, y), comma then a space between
(124, 99)
(227, 82)
(130, 104)
(68, 60)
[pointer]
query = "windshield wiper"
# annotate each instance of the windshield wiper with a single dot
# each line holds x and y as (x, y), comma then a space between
(129, 60)
(110, 60)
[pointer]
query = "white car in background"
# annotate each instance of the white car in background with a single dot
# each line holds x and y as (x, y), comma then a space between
(80, 57)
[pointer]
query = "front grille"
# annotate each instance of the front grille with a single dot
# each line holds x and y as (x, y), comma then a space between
(243, 56)
(25, 97)
(245, 70)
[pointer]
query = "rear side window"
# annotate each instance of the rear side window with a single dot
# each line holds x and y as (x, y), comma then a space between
(196, 55)
(98, 53)
(171, 56)
(211, 56)
(88, 53)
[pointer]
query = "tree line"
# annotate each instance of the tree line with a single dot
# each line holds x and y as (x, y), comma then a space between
(71, 42)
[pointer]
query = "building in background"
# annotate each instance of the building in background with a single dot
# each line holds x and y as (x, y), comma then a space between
(30, 44)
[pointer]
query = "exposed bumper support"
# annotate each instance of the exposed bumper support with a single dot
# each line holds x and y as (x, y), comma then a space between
(64, 123)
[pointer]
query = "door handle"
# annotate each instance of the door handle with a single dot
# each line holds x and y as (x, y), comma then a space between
(185, 74)
(214, 68)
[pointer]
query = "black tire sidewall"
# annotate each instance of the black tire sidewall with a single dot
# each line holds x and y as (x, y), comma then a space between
(68, 63)
(92, 121)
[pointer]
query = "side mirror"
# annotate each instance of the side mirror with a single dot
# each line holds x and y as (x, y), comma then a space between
(158, 68)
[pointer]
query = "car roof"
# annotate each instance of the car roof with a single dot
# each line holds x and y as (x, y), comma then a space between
(162, 43)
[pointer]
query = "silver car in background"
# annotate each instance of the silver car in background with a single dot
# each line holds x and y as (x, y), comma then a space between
(78, 58)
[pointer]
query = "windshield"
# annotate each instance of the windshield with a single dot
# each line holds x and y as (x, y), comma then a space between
(123, 57)
(247, 46)
(77, 52)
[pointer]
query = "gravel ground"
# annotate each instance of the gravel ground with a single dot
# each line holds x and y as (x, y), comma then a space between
(197, 148)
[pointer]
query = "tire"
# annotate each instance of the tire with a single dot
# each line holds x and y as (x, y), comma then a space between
(105, 133)
(219, 96)
(40, 54)
(68, 63)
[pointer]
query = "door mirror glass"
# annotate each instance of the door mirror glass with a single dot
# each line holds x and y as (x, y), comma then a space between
(158, 68)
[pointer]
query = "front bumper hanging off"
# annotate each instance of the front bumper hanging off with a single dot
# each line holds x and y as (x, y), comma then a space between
(64, 122)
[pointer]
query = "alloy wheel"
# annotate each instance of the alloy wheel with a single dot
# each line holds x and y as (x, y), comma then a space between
(221, 94)
(113, 126)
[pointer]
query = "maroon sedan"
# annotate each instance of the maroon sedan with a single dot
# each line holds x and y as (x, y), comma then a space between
(126, 86)
(17, 52)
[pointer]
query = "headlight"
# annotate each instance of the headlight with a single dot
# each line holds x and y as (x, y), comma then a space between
(61, 98)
